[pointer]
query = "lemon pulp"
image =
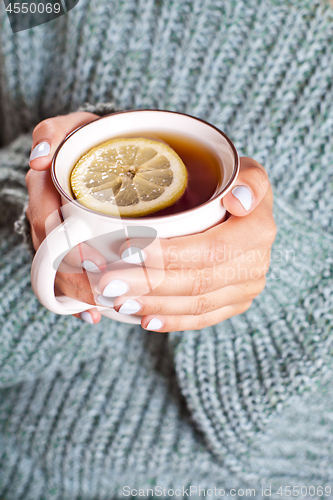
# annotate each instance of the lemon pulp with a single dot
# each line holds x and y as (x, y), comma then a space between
(129, 177)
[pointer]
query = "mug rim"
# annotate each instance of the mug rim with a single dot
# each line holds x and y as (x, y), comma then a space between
(146, 218)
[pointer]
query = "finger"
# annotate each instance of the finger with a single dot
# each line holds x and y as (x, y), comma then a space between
(184, 282)
(50, 133)
(250, 188)
(91, 316)
(219, 244)
(44, 204)
(194, 306)
(180, 323)
(44, 215)
(81, 285)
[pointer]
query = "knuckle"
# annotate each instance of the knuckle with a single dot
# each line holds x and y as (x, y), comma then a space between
(258, 287)
(261, 285)
(68, 288)
(260, 176)
(29, 178)
(200, 323)
(214, 250)
(268, 229)
(63, 284)
(271, 230)
(201, 282)
(200, 306)
(39, 228)
(246, 306)
(251, 289)
(270, 224)
(158, 308)
(44, 128)
(77, 283)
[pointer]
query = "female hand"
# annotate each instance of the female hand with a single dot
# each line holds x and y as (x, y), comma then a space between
(202, 279)
(205, 278)
(44, 205)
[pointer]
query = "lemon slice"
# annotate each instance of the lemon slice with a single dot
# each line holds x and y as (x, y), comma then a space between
(129, 177)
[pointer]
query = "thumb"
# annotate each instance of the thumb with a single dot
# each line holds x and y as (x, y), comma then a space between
(250, 188)
(49, 133)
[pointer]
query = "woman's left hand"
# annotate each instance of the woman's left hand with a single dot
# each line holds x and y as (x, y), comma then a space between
(204, 278)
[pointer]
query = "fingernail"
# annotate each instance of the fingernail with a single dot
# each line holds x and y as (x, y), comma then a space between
(243, 194)
(90, 266)
(133, 255)
(104, 301)
(154, 324)
(42, 149)
(86, 316)
(115, 288)
(130, 306)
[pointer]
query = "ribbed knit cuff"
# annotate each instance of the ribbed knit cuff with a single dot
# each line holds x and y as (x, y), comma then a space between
(235, 374)
(13, 168)
(22, 227)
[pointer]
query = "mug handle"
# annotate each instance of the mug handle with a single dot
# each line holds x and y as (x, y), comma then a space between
(47, 259)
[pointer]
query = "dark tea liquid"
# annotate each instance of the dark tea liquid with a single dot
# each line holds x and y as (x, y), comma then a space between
(203, 167)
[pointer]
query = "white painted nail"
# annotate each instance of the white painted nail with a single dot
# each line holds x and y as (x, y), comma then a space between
(243, 194)
(90, 266)
(86, 316)
(133, 255)
(104, 301)
(115, 288)
(42, 149)
(154, 324)
(130, 306)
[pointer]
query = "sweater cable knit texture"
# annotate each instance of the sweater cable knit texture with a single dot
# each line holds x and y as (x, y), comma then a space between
(85, 411)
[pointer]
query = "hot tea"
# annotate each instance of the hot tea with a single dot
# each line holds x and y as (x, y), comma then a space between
(204, 172)
(156, 175)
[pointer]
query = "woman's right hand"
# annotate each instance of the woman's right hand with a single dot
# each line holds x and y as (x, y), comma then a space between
(44, 204)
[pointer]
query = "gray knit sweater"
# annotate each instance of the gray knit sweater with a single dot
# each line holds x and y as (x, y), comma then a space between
(88, 410)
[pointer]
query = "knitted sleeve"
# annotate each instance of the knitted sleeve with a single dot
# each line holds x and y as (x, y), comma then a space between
(240, 368)
(14, 160)
(235, 373)
(14, 164)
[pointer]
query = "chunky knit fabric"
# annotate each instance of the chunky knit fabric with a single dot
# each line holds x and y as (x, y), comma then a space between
(86, 410)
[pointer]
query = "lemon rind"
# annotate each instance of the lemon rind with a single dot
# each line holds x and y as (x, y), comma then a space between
(143, 208)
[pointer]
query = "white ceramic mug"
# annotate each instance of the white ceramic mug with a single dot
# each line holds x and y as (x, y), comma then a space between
(81, 224)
